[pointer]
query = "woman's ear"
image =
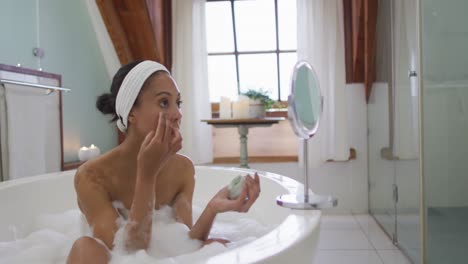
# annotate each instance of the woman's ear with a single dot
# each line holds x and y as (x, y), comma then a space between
(131, 117)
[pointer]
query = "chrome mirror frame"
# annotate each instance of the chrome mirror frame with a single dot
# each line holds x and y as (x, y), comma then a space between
(296, 123)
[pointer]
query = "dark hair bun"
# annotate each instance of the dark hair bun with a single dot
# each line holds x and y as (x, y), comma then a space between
(106, 103)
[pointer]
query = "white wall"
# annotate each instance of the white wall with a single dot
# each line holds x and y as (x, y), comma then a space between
(346, 181)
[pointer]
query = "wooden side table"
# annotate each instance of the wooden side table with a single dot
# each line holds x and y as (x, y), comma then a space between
(243, 126)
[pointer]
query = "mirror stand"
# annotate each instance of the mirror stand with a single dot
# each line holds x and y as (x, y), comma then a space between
(305, 105)
(307, 200)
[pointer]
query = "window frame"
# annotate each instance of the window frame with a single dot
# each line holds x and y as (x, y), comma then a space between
(236, 52)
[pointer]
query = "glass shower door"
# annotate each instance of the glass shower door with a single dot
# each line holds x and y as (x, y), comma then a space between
(405, 133)
(379, 116)
(393, 120)
(445, 129)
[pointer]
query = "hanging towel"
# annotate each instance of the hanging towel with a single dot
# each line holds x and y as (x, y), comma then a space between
(33, 135)
(3, 137)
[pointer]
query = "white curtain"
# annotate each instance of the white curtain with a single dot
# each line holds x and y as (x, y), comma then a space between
(190, 72)
(321, 43)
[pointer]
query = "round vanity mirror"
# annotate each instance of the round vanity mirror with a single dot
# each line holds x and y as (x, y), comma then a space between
(305, 102)
(305, 106)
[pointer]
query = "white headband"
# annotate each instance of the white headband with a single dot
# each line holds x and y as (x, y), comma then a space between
(130, 89)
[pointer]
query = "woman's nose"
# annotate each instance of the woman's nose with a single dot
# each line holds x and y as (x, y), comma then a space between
(175, 115)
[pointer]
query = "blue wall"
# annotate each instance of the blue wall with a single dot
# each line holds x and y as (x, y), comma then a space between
(71, 49)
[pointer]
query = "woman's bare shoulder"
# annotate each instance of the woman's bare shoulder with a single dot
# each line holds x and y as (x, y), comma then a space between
(88, 173)
(183, 162)
(180, 165)
(184, 165)
(93, 171)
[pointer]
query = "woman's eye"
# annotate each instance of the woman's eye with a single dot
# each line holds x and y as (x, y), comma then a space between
(179, 103)
(164, 103)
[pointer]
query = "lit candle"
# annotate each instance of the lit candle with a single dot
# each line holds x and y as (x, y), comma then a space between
(94, 151)
(83, 153)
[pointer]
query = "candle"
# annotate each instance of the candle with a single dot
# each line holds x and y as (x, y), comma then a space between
(240, 108)
(237, 110)
(94, 151)
(245, 102)
(225, 108)
(83, 153)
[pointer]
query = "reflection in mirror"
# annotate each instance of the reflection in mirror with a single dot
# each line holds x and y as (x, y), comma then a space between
(306, 99)
(305, 105)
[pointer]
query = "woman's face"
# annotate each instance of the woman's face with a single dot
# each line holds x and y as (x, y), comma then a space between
(159, 95)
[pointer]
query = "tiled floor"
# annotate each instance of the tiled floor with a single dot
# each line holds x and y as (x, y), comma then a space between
(355, 239)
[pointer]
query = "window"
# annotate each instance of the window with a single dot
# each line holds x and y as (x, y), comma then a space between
(251, 45)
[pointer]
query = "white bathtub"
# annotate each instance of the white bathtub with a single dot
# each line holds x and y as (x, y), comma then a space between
(294, 237)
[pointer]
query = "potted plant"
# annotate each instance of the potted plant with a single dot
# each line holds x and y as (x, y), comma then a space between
(259, 102)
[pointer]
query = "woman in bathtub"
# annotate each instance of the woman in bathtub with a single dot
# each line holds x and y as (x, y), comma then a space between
(144, 172)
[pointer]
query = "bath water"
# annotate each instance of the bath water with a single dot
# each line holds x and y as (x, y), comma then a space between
(51, 237)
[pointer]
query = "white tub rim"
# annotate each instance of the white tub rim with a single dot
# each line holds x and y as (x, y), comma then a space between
(300, 224)
(294, 230)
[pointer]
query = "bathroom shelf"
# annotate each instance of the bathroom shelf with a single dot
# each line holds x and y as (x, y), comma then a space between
(72, 165)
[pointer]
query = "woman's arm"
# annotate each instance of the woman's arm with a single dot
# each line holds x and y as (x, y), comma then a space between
(218, 204)
(96, 204)
(183, 212)
(138, 228)
(158, 146)
(183, 204)
(202, 227)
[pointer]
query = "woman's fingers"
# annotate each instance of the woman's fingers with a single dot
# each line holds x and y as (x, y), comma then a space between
(219, 240)
(250, 193)
(248, 184)
(240, 201)
(176, 143)
(253, 192)
(257, 184)
(244, 201)
(148, 138)
(168, 131)
(161, 129)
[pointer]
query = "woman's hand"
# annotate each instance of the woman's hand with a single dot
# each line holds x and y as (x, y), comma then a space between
(221, 203)
(218, 240)
(158, 146)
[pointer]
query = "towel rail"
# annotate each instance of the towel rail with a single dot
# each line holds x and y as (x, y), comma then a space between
(41, 86)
